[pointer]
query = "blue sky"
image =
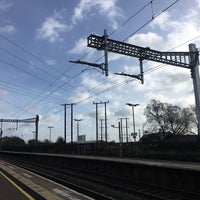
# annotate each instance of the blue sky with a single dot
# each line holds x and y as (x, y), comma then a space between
(38, 38)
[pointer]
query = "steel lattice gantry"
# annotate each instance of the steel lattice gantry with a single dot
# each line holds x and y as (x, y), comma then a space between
(181, 59)
(189, 60)
(30, 120)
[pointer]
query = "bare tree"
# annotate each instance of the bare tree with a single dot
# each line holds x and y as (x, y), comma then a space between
(169, 118)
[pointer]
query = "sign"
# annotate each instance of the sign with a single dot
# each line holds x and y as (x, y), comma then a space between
(134, 134)
(81, 138)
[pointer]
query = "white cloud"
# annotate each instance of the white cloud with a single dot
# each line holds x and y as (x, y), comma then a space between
(105, 8)
(52, 28)
(154, 40)
(7, 29)
(124, 112)
(51, 62)
(3, 108)
(50, 119)
(90, 82)
(80, 46)
(198, 2)
(82, 97)
(5, 5)
(3, 93)
(162, 21)
(177, 31)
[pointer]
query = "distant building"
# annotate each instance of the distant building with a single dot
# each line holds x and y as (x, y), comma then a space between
(168, 137)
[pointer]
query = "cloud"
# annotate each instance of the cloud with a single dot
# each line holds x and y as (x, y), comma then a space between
(51, 62)
(198, 2)
(90, 82)
(124, 112)
(82, 97)
(7, 29)
(177, 31)
(105, 8)
(80, 46)
(52, 29)
(49, 119)
(5, 5)
(154, 41)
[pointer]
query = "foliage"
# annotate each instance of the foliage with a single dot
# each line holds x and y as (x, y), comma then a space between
(170, 118)
(60, 140)
(13, 142)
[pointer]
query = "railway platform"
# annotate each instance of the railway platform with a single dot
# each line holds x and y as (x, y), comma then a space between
(19, 184)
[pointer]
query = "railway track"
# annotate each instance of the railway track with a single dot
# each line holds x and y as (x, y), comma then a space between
(101, 186)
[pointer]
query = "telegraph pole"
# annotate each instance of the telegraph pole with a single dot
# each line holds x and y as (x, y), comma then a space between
(101, 120)
(97, 133)
(121, 122)
(71, 104)
(65, 127)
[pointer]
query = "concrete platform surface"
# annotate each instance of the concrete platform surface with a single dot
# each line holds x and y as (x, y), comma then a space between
(19, 184)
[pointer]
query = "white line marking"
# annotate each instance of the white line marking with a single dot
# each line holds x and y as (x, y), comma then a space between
(27, 175)
(64, 193)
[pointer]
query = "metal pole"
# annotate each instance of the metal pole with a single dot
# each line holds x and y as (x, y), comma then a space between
(36, 127)
(126, 130)
(71, 123)
(196, 82)
(97, 134)
(121, 130)
(101, 120)
(77, 120)
(106, 52)
(120, 140)
(65, 127)
(133, 119)
(50, 127)
(106, 132)
(1, 132)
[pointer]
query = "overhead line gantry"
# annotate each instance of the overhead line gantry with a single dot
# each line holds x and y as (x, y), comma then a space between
(30, 120)
(189, 60)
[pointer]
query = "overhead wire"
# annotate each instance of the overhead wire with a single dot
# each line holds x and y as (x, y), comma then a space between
(27, 62)
(153, 17)
(20, 69)
(141, 27)
(36, 57)
(110, 34)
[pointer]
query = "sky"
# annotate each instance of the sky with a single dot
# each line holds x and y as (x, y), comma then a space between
(38, 39)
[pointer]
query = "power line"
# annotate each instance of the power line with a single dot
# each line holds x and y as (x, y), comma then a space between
(70, 79)
(153, 17)
(131, 17)
(27, 62)
(21, 48)
(28, 52)
(15, 67)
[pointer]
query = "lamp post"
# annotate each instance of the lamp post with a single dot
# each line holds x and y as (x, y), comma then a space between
(1, 138)
(78, 120)
(133, 105)
(50, 127)
(120, 137)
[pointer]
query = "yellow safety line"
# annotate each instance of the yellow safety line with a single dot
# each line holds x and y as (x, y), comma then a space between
(19, 188)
